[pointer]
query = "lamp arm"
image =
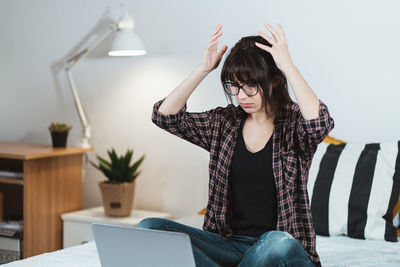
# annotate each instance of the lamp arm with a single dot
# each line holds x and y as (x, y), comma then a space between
(68, 64)
(71, 61)
(78, 104)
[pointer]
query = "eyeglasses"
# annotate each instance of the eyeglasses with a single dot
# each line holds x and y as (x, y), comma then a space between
(233, 88)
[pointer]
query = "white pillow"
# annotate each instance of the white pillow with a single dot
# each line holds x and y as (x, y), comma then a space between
(353, 189)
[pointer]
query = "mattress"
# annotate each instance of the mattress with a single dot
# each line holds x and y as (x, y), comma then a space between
(333, 251)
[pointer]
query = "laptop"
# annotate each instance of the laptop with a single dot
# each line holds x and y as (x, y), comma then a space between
(132, 246)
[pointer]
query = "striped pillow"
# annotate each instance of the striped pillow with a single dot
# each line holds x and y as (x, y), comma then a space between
(354, 188)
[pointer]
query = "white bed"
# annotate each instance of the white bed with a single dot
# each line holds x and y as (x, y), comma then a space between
(333, 251)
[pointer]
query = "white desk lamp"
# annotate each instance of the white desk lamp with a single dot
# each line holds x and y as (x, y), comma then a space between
(125, 43)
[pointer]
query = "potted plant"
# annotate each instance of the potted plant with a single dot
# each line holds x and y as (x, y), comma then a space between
(118, 191)
(59, 133)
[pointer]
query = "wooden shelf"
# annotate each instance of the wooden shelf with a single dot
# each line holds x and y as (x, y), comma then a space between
(5, 180)
(51, 186)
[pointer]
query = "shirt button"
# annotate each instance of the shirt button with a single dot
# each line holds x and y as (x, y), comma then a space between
(276, 149)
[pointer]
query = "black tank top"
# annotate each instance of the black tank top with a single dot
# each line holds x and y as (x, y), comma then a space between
(252, 190)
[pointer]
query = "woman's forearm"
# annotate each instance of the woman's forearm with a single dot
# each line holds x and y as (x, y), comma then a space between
(179, 96)
(306, 98)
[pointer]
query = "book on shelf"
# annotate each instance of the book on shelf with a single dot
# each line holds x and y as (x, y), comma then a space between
(11, 174)
(11, 228)
(10, 240)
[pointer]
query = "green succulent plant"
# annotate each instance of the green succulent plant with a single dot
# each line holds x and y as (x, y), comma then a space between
(119, 169)
(59, 127)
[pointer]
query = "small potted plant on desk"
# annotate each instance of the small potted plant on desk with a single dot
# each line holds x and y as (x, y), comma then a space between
(59, 134)
(118, 191)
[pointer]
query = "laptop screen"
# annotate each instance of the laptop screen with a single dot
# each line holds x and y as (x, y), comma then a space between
(132, 246)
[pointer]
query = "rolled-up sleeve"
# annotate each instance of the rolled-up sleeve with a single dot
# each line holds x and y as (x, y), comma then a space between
(193, 127)
(312, 132)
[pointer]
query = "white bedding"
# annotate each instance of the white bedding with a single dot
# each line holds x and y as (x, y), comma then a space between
(333, 251)
(345, 251)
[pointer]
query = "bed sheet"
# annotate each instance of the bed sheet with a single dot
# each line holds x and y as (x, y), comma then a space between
(84, 255)
(333, 251)
(345, 251)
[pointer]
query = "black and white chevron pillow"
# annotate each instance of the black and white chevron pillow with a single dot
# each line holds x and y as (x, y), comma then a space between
(353, 189)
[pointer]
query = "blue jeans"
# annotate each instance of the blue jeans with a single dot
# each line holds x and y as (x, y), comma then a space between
(273, 248)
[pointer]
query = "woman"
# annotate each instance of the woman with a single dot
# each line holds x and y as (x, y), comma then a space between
(258, 211)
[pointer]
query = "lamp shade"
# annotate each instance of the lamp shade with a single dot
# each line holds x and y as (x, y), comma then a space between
(126, 43)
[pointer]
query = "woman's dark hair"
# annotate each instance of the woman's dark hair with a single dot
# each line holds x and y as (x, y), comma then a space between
(247, 63)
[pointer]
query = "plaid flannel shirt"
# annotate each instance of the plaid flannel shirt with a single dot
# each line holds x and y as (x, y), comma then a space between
(295, 141)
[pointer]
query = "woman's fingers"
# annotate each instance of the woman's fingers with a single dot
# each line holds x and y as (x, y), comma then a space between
(266, 37)
(211, 55)
(219, 26)
(222, 51)
(281, 32)
(273, 32)
(264, 47)
(210, 45)
(217, 29)
(214, 37)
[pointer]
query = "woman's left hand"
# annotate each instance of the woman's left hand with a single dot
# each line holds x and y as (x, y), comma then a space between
(279, 49)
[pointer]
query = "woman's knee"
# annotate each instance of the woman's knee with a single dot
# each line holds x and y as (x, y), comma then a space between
(276, 236)
(153, 223)
(281, 246)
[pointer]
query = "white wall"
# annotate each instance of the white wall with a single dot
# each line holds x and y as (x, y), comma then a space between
(346, 50)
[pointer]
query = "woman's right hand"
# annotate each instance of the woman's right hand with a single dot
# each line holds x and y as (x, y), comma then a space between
(211, 56)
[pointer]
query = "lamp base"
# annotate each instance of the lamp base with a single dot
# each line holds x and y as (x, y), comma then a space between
(84, 143)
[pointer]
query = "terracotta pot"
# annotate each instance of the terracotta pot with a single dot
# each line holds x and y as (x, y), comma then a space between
(117, 198)
(59, 139)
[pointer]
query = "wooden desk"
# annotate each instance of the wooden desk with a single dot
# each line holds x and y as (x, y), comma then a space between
(51, 185)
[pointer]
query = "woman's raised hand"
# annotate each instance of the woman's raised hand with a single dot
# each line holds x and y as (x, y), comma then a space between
(211, 56)
(279, 49)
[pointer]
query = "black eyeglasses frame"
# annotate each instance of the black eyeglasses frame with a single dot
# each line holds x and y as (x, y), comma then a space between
(229, 83)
